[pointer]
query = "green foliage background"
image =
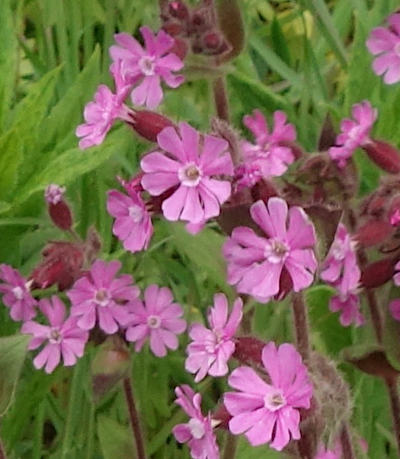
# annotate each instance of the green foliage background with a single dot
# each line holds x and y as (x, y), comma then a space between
(306, 57)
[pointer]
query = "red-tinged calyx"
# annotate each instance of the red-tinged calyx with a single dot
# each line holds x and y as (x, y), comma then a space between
(61, 215)
(378, 273)
(384, 155)
(248, 350)
(149, 124)
(374, 232)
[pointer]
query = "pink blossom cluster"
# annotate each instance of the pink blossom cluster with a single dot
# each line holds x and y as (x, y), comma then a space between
(340, 269)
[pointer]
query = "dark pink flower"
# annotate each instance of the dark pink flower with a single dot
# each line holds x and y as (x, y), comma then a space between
(210, 350)
(16, 294)
(198, 432)
(157, 318)
(355, 132)
(255, 263)
(54, 193)
(340, 267)
(62, 337)
(385, 44)
(188, 166)
(394, 308)
(349, 307)
(271, 153)
(102, 296)
(268, 412)
(147, 66)
(132, 220)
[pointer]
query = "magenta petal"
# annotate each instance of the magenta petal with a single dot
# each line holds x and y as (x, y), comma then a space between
(172, 207)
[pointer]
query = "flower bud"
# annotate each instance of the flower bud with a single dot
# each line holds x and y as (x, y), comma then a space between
(223, 416)
(383, 155)
(180, 48)
(373, 232)
(149, 124)
(178, 10)
(58, 209)
(248, 350)
(378, 273)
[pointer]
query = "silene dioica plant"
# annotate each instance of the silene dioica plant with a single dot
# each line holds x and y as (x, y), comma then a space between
(291, 219)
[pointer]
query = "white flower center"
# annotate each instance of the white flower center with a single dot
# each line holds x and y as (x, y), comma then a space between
(55, 336)
(154, 321)
(18, 293)
(147, 65)
(190, 174)
(196, 428)
(102, 297)
(276, 251)
(274, 400)
(136, 213)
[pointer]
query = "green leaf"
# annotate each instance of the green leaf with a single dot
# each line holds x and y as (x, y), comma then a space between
(116, 441)
(4, 206)
(247, 451)
(10, 159)
(12, 356)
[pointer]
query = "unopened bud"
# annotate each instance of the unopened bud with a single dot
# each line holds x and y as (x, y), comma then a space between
(384, 155)
(378, 273)
(180, 48)
(59, 211)
(248, 350)
(223, 416)
(373, 233)
(172, 28)
(263, 189)
(178, 9)
(149, 124)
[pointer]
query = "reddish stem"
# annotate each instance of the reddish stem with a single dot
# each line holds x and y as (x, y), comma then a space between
(134, 419)
(347, 447)
(391, 384)
(221, 98)
(301, 325)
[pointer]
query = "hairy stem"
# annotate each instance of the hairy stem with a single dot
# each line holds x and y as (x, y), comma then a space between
(347, 447)
(375, 314)
(134, 418)
(395, 406)
(2, 451)
(230, 447)
(301, 325)
(221, 98)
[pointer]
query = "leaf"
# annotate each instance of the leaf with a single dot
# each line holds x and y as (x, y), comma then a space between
(11, 156)
(116, 441)
(12, 356)
(246, 451)
(4, 206)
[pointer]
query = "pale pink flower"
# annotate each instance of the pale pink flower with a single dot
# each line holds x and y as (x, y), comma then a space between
(147, 66)
(348, 305)
(385, 44)
(132, 220)
(16, 294)
(355, 132)
(394, 308)
(210, 350)
(340, 266)
(188, 166)
(198, 432)
(63, 337)
(271, 153)
(396, 277)
(157, 318)
(268, 412)
(255, 263)
(54, 193)
(103, 297)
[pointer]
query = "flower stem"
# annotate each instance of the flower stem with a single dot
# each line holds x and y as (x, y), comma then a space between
(230, 447)
(221, 98)
(2, 451)
(134, 418)
(301, 325)
(391, 384)
(347, 447)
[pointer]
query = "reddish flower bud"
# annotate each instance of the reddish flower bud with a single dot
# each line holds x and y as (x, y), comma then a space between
(378, 273)
(178, 9)
(263, 189)
(61, 215)
(248, 350)
(172, 28)
(374, 232)
(180, 48)
(61, 265)
(223, 416)
(149, 124)
(383, 155)
(285, 285)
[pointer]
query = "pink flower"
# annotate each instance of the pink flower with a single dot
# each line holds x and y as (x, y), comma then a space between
(198, 432)
(100, 115)
(17, 296)
(267, 412)
(247, 175)
(63, 337)
(354, 132)
(101, 296)
(349, 306)
(385, 43)
(157, 318)
(147, 66)
(271, 152)
(340, 267)
(255, 263)
(188, 167)
(132, 220)
(396, 277)
(210, 350)
(394, 308)
(54, 193)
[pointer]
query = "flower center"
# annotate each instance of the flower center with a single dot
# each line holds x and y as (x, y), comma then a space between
(55, 336)
(154, 321)
(274, 400)
(18, 293)
(136, 213)
(196, 428)
(190, 175)
(276, 251)
(147, 65)
(102, 298)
